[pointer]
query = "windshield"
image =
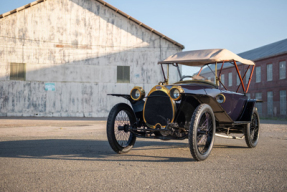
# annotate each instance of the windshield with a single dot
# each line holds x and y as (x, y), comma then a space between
(180, 73)
(226, 76)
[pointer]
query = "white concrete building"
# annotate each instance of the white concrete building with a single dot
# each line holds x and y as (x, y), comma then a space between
(61, 57)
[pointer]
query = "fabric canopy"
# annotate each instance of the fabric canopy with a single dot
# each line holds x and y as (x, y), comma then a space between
(206, 56)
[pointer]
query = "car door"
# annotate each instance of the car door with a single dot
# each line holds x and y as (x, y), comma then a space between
(234, 103)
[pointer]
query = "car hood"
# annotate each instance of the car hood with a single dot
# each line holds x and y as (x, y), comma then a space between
(197, 88)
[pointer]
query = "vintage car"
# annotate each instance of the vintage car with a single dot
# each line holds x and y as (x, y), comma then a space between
(193, 108)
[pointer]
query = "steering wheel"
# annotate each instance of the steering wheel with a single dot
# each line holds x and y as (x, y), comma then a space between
(187, 76)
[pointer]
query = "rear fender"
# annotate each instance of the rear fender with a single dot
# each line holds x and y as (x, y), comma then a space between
(247, 111)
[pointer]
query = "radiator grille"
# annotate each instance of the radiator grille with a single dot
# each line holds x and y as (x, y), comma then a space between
(158, 109)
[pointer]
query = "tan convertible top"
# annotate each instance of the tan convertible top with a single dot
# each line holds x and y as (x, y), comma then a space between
(205, 56)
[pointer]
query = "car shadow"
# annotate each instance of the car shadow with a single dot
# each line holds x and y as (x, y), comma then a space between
(229, 146)
(91, 150)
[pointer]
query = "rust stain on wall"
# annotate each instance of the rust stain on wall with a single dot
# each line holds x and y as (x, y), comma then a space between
(74, 46)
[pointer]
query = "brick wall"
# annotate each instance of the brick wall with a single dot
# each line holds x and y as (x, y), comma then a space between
(264, 86)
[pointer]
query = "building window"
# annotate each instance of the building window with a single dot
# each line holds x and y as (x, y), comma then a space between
(258, 74)
(238, 80)
(270, 103)
(258, 96)
(18, 71)
(283, 102)
(282, 70)
(269, 72)
(229, 79)
(247, 76)
(123, 74)
(248, 95)
(222, 79)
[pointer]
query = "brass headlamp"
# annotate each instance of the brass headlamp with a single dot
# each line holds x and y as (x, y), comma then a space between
(137, 93)
(175, 92)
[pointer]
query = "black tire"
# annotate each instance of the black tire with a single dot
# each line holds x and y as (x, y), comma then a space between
(202, 128)
(119, 140)
(251, 130)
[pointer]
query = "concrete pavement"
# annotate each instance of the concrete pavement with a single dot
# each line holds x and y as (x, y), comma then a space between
(74, 155)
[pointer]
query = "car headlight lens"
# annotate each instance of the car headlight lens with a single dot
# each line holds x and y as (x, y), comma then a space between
(137, 93)
(175, 92)
(220, 98)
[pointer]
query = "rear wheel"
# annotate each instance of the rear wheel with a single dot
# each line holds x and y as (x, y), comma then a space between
(201, 132)
(251, 131)
(120, 140)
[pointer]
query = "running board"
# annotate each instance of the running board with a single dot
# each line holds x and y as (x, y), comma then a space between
(241, 122)
(229, 137)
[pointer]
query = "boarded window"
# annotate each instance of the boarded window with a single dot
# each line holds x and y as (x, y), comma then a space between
(123, 74)
(258, 74)
(259, 104)
(269, 72)
(282, 69)
(283, 102)
(18, 71)
(270, 103)
(229, 79)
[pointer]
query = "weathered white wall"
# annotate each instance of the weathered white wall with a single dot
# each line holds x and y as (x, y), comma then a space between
(76, 44)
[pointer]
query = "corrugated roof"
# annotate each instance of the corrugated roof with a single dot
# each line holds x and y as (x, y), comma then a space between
(21, 8)
(109, 6)
(266, 51)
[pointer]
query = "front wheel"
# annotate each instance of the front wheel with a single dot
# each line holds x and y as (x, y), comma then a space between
(121, 140)
(251, 130)
(201, 132)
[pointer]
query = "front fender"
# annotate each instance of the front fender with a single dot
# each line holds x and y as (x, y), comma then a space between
(136, 105)
(191, 101)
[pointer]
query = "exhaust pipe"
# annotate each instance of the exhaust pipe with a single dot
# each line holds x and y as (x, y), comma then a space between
(229, 136)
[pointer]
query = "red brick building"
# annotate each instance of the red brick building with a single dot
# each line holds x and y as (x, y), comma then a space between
(269, 81)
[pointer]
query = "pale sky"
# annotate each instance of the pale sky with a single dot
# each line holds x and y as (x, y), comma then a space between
(237, 25)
